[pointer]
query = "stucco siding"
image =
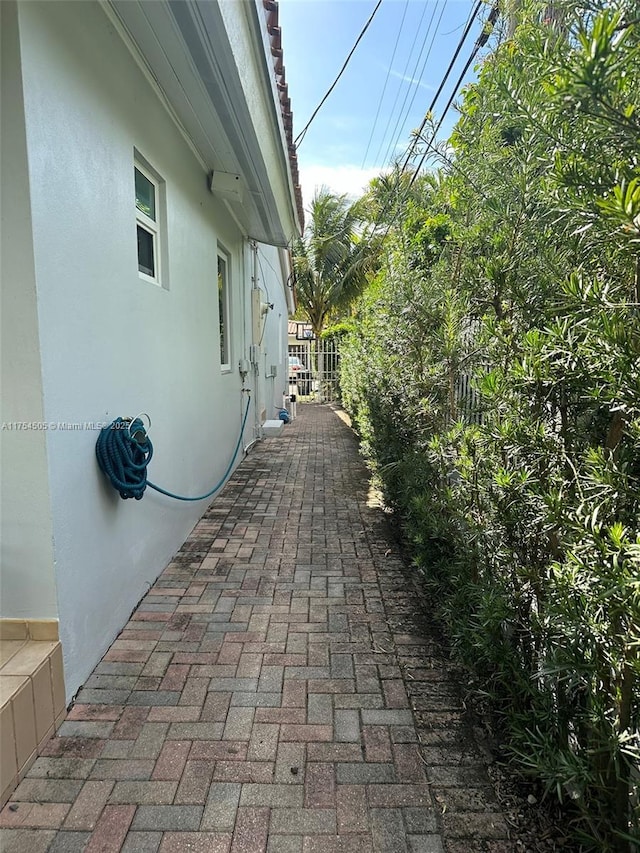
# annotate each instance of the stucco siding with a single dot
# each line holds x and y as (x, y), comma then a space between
(112, 344)
(27, 586)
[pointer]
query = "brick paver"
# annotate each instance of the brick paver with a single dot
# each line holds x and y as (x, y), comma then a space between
(274, 691)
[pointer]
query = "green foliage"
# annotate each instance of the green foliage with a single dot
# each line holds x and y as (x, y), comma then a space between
(332, 260)
(493, 373)
(339, 329)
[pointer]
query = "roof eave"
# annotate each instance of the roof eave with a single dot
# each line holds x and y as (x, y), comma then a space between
(186, 49)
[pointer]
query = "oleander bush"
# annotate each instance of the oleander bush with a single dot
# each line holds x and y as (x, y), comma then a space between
(493, 373)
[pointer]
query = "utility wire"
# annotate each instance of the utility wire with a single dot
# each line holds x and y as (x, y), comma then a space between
(461, 42)
(426, 59)
(384, 88)
(298, 140)
(404, 74)
(414, 141)
(402, 116)
(480, 42)
(458, 169)
(269, 264)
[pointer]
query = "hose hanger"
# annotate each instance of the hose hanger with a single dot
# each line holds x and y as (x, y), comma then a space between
(124, 450)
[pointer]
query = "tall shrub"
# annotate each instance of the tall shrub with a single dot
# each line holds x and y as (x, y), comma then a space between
(517, 272)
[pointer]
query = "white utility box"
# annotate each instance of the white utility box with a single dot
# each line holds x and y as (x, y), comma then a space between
(270, 428)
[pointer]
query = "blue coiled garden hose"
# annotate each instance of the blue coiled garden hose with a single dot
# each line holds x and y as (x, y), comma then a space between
(124, 450)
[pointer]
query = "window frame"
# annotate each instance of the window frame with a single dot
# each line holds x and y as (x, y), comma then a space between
(224, 315)
(154, 227)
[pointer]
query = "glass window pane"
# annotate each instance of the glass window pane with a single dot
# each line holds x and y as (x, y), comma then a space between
(145, 195)
(146, 255)
(222, 311)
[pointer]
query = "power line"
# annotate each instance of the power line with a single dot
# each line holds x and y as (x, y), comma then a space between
(461, 42)
(403, 76)
(480, 42)
(413, 143)
(384, 88)
(426, 59)
(402, 118)
(458, 168)
(298, 140)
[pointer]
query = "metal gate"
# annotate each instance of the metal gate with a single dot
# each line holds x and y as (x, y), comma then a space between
(319, 379)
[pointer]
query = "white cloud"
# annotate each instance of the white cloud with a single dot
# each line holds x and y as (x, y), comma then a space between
(351, 180)
(412, 80)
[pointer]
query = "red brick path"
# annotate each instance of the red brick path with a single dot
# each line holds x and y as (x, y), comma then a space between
(265, 694)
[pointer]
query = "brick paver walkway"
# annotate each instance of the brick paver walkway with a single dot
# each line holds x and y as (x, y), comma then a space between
(255, 701)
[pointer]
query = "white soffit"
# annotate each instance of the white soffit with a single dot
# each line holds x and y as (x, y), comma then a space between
(185, 48)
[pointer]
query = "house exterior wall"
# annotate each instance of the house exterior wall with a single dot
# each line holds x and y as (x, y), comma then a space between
(26, 557)
(111, 344)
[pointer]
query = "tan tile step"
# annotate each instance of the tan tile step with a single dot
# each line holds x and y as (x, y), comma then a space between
(8, 648)
(28, 629)
(32, 697)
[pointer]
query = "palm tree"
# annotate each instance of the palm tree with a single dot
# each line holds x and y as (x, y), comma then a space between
(332, 260)
(331, 263)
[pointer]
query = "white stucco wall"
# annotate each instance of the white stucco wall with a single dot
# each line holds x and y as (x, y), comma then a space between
(112, 344)
(27, 587)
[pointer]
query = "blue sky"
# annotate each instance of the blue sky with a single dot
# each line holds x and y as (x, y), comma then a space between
(317, 36)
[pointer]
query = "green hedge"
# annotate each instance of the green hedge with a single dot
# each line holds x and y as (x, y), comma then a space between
(493, 374)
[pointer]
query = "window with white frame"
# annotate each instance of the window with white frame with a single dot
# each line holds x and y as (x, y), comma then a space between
(223, 311)
(148, 188)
